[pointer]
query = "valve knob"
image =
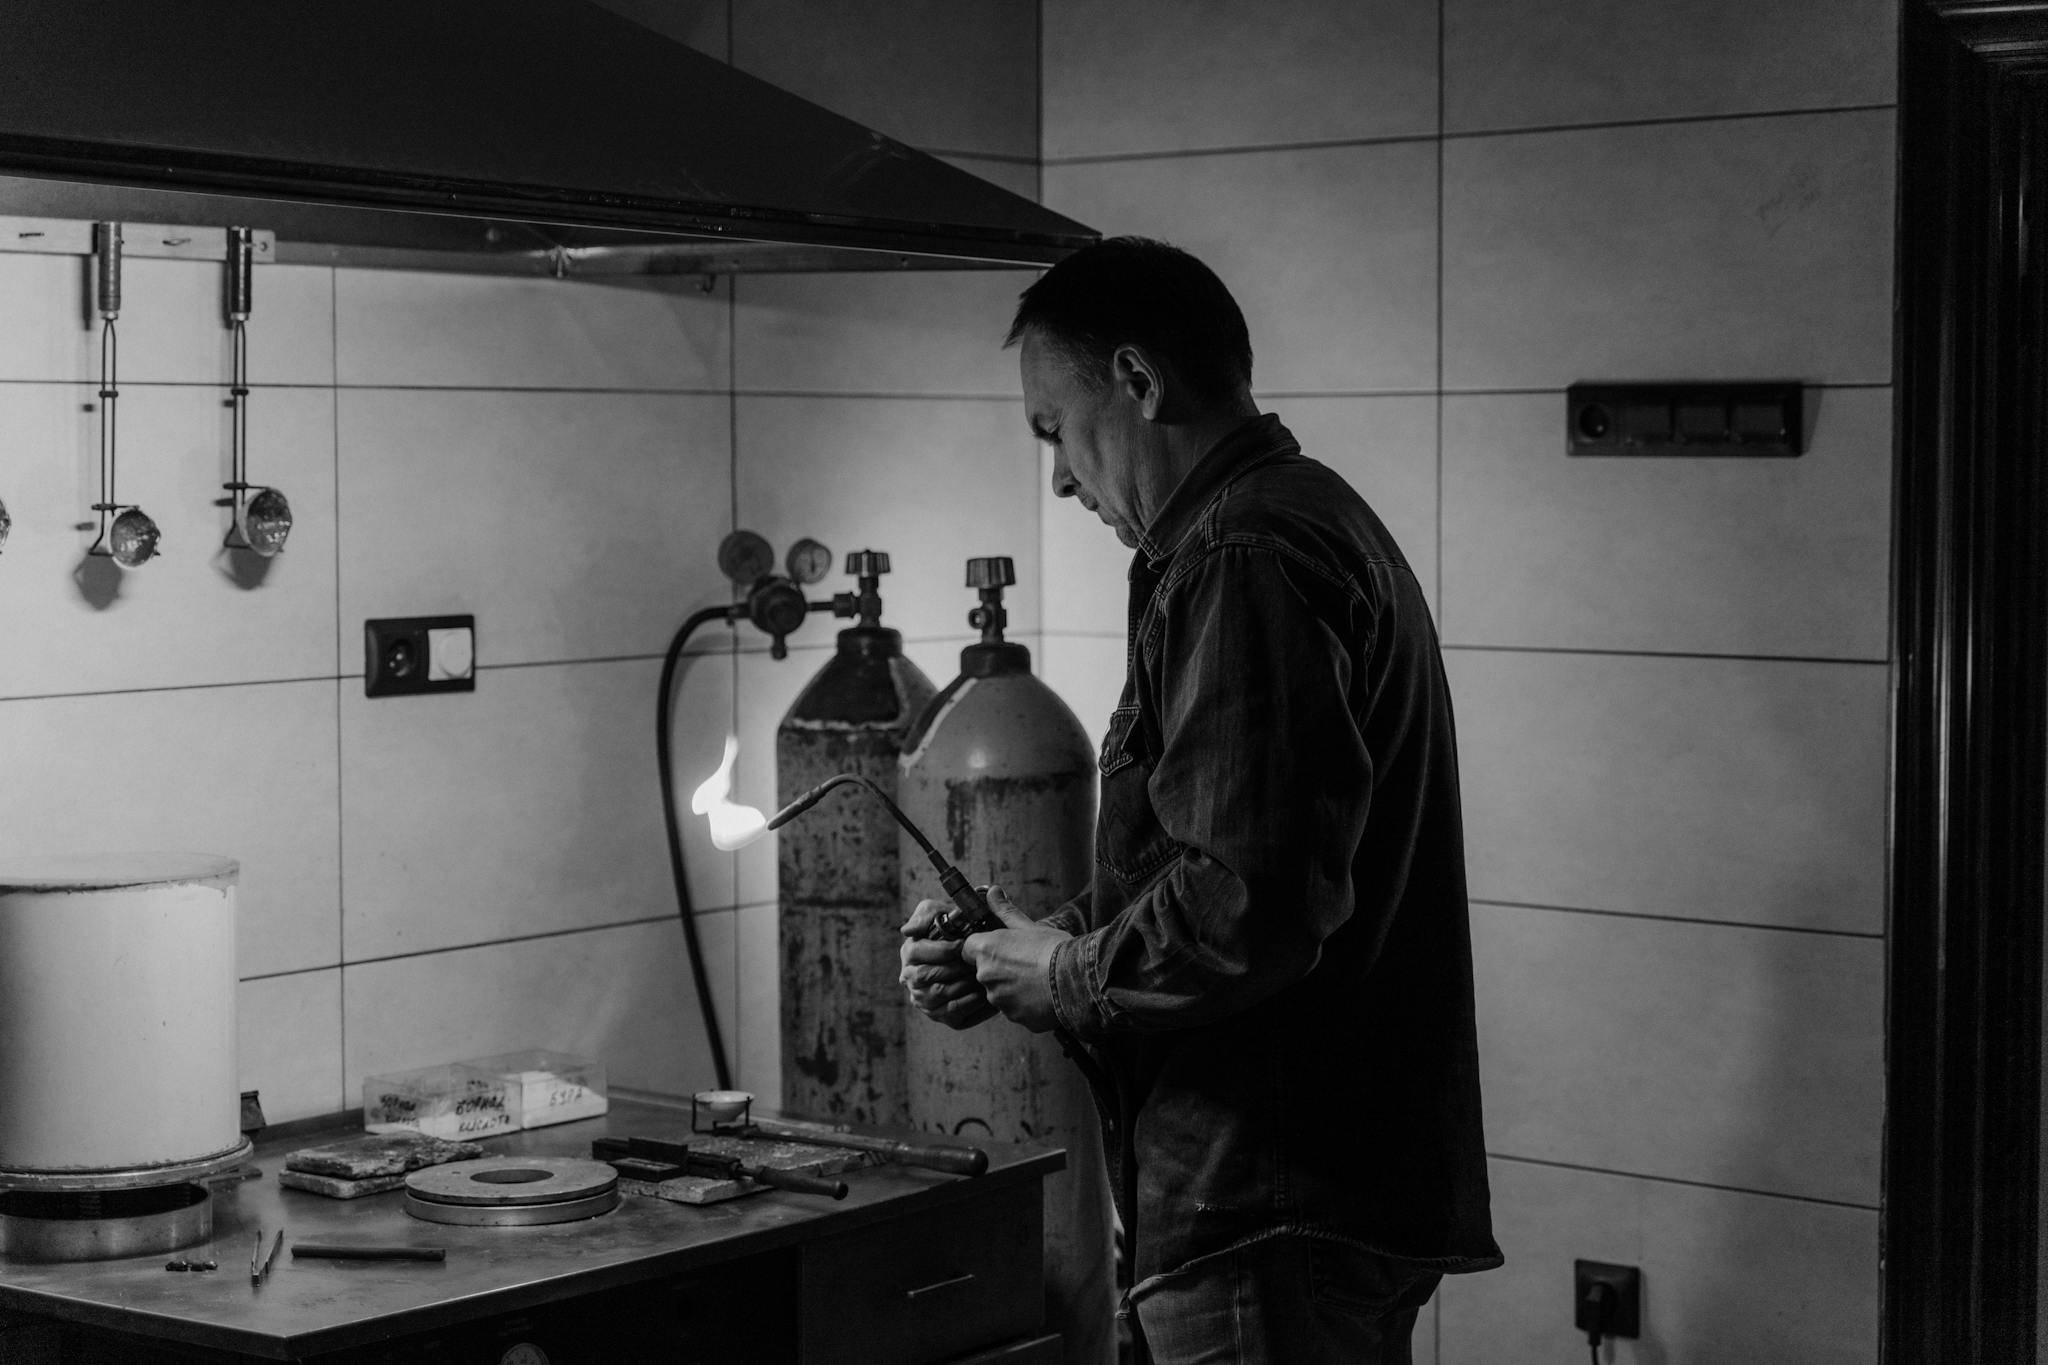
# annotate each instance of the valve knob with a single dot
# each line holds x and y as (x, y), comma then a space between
(867, 563)
(998, 571)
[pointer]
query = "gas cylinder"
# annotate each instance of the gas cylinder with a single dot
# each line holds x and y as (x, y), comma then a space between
(1001, 776)
(843, 1010)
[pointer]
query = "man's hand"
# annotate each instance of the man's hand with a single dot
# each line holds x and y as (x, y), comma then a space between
(961, 983)
(941, 983)
(1013, 965)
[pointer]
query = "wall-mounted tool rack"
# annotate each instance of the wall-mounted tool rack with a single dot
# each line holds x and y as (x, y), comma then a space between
(74, 237)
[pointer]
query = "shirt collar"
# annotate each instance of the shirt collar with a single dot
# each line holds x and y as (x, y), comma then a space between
(1253, 440)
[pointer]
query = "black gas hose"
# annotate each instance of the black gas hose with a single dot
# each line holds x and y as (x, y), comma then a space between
(665, 763)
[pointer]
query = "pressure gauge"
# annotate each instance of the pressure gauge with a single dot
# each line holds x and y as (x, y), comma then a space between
(809, 561)
(744, 557)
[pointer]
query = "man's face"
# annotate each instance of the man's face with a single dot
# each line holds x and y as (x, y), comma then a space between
(1096, 448)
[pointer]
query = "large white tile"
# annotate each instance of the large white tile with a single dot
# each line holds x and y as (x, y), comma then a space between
(402, 328)
(1087, 671)
(760, 1009)
(1720, 789)
(529, 805)
(290, 1051)
(1752, 1058)
(1510, 65)
(196, 613)
(1728, 1278)
(171, 328)
(918, 332)
(245, 772)
(1331, 252)
(1386, 449)
(623, 995)
(932, 482)
(950, 75)
(1705, 555)
(1733, 249)
(1166, 75)
(570, 525)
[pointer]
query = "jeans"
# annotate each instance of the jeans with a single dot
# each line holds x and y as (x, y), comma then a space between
(1281, 1301)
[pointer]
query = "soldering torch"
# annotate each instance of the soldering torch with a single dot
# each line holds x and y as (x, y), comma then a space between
(969, 914)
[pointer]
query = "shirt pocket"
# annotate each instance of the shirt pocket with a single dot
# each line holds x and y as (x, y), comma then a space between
(1130, 842)
(1116, 744)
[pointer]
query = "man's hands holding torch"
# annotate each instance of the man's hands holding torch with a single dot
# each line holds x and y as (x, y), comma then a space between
(962, 982)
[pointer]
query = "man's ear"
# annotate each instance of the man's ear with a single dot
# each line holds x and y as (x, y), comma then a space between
(1140, 378)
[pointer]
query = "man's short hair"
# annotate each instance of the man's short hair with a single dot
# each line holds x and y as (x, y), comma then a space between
(1135, 291)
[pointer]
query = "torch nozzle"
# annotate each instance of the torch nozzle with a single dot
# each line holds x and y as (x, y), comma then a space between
(817, 794)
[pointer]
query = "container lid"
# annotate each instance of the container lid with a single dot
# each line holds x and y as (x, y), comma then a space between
(112, 871)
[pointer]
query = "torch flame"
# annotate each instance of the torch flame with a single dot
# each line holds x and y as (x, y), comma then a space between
(732, 825)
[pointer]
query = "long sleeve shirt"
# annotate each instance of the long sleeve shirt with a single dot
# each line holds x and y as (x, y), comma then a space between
(1271, 971)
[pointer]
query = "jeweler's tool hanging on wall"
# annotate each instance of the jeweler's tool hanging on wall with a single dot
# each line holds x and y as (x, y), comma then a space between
(777, 605)
(132, 537)
(1000, 764)
(843, 1013)
(262, 517)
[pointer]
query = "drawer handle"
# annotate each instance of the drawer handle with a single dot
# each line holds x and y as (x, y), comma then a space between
(912, 1294)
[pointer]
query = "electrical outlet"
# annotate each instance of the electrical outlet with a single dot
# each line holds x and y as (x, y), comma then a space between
(1624, 1314)
(411, 654)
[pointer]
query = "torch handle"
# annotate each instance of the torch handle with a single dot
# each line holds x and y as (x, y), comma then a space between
(970, 914)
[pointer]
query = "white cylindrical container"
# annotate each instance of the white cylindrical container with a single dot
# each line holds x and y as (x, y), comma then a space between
(117, 1012)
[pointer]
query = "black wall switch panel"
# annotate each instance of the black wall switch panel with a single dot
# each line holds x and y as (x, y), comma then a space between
(1761, 418)
(412, 654)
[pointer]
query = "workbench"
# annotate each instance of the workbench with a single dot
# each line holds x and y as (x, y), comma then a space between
(911, 1267)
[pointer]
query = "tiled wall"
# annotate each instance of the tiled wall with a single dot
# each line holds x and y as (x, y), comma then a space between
(429, 878)
(1670, 675)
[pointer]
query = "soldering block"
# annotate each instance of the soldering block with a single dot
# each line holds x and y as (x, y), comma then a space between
(335, 1187)
(691, 1189)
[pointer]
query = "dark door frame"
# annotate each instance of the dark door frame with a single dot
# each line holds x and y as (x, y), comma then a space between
(1963, 1026)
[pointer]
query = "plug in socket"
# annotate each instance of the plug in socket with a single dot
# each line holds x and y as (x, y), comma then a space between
(411, 654)
(1624, 1309)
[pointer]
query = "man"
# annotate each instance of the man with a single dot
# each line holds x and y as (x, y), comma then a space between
(1269, 982)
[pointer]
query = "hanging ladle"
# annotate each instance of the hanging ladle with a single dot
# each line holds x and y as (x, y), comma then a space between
(132, 539)
(263, 518)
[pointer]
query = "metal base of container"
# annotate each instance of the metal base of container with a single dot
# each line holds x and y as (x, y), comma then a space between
(41, 1226)
(190, 1171)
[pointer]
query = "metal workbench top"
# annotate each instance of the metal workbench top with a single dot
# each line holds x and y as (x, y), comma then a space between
(307, 1307)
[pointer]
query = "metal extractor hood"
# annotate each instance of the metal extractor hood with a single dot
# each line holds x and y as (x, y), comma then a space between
(524, 136)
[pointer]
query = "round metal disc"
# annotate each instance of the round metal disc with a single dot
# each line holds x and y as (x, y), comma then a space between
(809, 561)
(512, 1215)
(745, 556)
(511, 1181)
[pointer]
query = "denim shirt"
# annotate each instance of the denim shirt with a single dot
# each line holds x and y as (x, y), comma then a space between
(1270, 985)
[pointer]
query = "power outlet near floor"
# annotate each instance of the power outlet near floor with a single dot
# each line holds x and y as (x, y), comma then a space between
(1616, 1312)
(412, 654)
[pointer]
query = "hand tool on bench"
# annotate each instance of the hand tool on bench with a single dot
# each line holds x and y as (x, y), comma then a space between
(666, 1160)
(935, 1156)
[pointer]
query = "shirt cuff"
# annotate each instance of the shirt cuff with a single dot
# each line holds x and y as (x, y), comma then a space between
(1077, 1005)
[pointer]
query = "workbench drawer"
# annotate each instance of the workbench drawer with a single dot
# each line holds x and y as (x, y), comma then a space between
(927, 1287)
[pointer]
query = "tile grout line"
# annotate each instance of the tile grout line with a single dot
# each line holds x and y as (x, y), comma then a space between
(946, 638)
(1436, 1324)
(1461, 135)
(340, 754)
(1439, 585)
(1703, 922)
(1690, 1184)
